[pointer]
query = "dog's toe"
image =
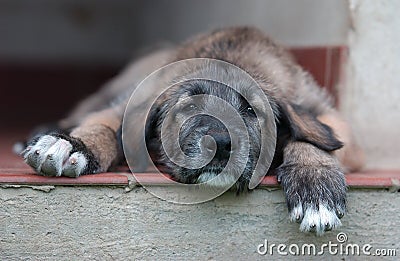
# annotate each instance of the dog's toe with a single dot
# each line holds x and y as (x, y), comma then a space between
(34, 155)
(54, 158)
(75, 165)
(297, 213)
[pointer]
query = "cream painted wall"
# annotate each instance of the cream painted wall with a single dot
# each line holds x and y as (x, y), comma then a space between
(371, 93)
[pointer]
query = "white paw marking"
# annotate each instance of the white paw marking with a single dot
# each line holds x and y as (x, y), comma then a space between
(53, 159)
(34, 155)
(318, 220)
(50, 156)
(76, 163)
(297, 213)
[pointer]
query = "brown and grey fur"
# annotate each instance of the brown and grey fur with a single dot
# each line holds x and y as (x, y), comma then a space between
(314, 143)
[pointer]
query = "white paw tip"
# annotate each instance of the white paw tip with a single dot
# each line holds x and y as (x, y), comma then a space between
(319, 220)
(77, 162)
(297, 213)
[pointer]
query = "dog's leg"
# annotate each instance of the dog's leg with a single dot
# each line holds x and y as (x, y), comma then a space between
(314, 185)
(89, 148)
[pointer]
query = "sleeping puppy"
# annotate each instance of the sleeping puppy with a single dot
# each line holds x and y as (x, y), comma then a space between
(313, 143)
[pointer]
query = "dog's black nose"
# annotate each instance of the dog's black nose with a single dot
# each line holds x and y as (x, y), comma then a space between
(223, 143)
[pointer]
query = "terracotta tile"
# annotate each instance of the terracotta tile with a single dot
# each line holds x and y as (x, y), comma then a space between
(98, 179)
(369, 179)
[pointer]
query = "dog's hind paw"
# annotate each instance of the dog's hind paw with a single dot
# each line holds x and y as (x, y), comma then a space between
(59, 155)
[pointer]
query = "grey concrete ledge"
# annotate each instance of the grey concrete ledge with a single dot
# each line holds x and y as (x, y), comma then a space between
(108, 223)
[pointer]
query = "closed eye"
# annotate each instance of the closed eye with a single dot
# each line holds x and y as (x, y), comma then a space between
(250, 111)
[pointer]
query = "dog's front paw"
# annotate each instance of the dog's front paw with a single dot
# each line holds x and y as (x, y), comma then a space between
(316, 196)
(59, 155)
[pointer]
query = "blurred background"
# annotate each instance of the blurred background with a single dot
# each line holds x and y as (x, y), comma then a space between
(54, 53)
(109, 32)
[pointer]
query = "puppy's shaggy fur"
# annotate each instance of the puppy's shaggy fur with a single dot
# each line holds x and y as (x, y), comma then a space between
(310, 133)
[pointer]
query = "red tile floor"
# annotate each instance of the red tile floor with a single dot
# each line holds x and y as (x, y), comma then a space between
(14, 171)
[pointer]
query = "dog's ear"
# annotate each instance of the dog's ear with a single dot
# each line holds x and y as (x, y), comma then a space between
(306, 127)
